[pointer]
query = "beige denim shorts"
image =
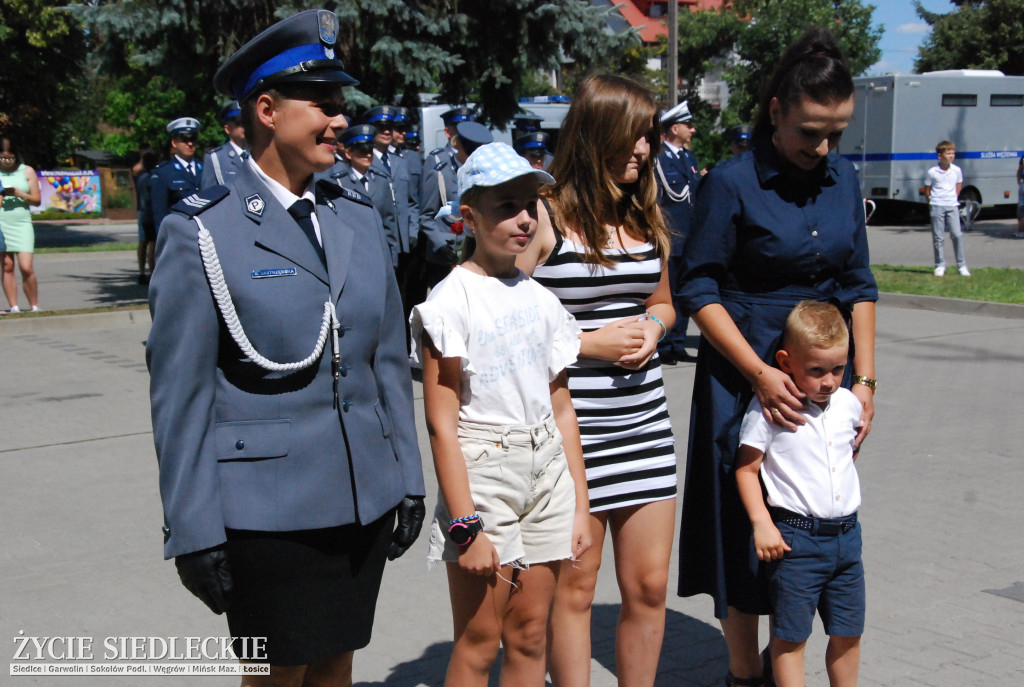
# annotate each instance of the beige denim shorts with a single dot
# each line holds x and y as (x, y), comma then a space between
(522, 489)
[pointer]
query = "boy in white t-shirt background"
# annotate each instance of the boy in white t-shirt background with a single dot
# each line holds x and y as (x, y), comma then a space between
(942, 188)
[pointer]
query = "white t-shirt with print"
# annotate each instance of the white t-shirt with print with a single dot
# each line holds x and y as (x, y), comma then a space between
(513, 336)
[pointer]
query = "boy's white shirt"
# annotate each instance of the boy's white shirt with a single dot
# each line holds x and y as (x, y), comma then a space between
(513, 336)
(943, 185)
(810, 471)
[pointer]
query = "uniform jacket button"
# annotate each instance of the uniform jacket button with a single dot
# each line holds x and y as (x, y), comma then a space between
(239, 444)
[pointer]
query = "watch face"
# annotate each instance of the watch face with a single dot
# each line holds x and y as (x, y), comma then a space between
(460, 533)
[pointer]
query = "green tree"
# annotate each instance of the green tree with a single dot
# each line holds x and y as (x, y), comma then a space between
(161, 54)
(745, 41)
(40, 85)
(977, 35)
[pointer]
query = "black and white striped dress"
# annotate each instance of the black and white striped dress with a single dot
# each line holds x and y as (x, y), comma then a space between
(623, 416)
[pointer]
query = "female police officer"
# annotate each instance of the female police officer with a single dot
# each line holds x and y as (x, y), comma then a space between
(281, 397)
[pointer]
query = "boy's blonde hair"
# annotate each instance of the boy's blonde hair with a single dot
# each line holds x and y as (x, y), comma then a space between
(944, 146)
(815, 324)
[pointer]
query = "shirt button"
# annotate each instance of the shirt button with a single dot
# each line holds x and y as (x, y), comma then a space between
(837, 497)
(814, 233)
(239, 444)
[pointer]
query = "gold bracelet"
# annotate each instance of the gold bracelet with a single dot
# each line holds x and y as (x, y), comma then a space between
(866, 381)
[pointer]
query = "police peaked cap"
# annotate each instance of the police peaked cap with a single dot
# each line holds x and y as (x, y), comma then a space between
(299, 49)
(526, 121)
(360, 133)
(473, 135)
(381, 113)
(401, 115)
(463, 113)
(532, 140)
(679, 113)
(413, 134)
(229, 112)
(183, 126)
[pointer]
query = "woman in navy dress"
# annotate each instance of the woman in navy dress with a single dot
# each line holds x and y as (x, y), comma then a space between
(776, 225)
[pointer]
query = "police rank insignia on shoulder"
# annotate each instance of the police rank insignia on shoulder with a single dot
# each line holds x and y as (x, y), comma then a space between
(255, 204)
(192, 205)
(356, 196)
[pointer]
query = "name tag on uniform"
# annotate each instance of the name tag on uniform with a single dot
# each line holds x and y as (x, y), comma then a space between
(279, 272)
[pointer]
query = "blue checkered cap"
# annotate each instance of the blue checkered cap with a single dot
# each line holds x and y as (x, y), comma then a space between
(494, 164)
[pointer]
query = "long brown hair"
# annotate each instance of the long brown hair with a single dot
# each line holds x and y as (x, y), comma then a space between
(607, 116)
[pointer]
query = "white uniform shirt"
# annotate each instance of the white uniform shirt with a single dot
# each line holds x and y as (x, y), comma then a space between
(943, 183)
(285, 197)
(513, 336)
(809, 471)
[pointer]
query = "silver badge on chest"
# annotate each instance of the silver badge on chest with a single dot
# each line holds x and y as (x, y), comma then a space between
(255, 204)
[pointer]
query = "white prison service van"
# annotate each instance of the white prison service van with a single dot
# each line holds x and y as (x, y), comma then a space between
(899, 118)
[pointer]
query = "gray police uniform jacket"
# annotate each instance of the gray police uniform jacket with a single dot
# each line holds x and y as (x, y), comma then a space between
(406, 211)
(223, 161)
(170, 183)
(414, 163)
(241, 447)
(439, 167)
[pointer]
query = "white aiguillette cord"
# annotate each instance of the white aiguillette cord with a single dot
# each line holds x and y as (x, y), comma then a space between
(672, 195)
(215, 275)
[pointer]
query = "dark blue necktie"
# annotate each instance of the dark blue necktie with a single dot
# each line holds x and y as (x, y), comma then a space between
(301, 210)
(384, 159)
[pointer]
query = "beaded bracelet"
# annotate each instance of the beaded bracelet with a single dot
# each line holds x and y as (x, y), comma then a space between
(664, 331)
(468, 518)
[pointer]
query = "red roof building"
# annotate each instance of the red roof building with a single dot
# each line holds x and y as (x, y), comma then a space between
(649, 17)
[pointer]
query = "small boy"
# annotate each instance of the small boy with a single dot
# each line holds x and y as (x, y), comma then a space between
(808, 531)
(942, 188)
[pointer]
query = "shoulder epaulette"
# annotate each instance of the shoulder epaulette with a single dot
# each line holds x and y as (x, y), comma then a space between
(161, 165)
(435, 151)
(198, 202)
(334, 189)
(440, 165)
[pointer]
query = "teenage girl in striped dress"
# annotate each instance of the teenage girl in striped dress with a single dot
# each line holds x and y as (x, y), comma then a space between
(601, 250)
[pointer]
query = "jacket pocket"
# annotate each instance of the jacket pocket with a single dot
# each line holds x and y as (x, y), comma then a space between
(385, 421)
(252, 439)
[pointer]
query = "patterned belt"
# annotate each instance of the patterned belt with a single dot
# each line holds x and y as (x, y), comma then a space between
(823, 527)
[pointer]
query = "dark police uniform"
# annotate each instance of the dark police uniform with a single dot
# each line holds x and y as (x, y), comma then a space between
(677, 177)
(298, 470)
(171, 181)
(224, 161)
(396, 170)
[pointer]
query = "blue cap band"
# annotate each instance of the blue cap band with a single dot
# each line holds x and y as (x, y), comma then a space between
(360, 138)
(289, 58)
(232, 113)
(458, 118)
(532, 144)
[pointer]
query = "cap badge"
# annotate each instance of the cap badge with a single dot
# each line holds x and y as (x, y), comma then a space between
(328, 27)
(255, 204)
(329, 53)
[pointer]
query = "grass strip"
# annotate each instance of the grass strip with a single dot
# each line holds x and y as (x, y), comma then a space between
(991, 284)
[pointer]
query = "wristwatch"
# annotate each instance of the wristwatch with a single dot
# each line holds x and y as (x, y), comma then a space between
(866, 381)
(463, 533)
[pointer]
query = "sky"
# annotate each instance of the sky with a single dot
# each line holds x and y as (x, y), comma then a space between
(904, 32)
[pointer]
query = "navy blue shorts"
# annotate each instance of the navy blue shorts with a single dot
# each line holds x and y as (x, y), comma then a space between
(823, 574)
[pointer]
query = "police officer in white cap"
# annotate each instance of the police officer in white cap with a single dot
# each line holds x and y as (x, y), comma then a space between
(179, 176)
(677, 185)
(224, 161)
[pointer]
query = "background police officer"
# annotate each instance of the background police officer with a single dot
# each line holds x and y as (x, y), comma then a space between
(178, 177)
(677, 185)
(224, 161)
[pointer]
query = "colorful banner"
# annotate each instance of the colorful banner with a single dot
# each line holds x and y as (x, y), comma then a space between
(70, 191)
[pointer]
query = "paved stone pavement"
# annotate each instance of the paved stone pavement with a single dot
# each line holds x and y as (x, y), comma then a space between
(942, 517)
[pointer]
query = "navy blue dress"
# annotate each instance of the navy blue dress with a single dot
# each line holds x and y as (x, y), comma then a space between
(764, 236)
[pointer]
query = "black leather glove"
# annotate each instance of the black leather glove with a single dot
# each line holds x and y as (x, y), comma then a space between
(207, 575)
(411, 512)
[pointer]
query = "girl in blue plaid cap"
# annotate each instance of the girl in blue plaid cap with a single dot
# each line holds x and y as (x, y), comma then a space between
(513, 503)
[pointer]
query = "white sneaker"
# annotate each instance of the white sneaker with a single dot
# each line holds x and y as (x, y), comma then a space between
(964, 272)
(940, 271)
(35, 308)
(14, 309)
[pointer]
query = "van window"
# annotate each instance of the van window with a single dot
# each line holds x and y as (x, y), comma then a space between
(959, 100)
(1007, 100)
